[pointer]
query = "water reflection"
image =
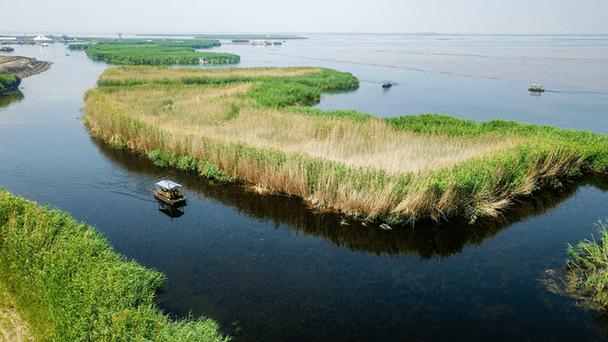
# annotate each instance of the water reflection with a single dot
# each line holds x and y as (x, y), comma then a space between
(425, 239)
(173, 211)
(9, 98)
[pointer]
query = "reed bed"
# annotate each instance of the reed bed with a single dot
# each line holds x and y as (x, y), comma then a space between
(69, 284)
(587, 269)
(157, 52)
(253, 126)
(177, 75)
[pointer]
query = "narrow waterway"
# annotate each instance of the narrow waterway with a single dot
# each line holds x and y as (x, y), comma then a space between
(269, 269)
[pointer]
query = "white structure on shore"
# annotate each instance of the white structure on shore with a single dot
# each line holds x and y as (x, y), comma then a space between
(42, 39)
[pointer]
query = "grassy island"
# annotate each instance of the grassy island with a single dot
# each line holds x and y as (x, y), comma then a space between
(156, 52)
(69, 285)
(9, 83)
(254, 126)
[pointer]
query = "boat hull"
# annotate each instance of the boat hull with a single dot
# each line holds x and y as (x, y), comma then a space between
(170, 201)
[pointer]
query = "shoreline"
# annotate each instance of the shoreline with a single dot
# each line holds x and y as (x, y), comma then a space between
(23, 66)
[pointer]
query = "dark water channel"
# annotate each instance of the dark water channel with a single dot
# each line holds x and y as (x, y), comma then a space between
(269, 269)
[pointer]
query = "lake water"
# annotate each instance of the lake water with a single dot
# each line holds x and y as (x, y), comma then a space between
(269, 269)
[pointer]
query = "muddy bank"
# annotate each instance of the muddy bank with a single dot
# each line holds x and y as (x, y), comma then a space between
(22, 66)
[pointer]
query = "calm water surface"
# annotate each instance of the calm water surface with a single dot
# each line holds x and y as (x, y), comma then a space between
(269, 269)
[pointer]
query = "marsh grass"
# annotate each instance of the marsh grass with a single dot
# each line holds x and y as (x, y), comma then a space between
(157, 52)
(587, 268)
(71, 286)
(118, 76)
(253, 125)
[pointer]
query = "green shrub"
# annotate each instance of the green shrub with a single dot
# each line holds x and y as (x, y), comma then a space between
(8, 83)
(210, 170)
(187, 163)
(161, 158)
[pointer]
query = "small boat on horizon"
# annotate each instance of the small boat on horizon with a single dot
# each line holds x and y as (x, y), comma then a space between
(387, 84)
(536, 88)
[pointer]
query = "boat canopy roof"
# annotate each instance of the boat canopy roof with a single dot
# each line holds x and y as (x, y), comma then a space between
(169, 185)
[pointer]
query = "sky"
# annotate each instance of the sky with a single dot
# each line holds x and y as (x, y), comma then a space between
(269, 16)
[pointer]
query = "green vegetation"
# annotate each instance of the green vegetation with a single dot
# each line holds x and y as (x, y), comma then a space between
(78, 47)
(156, 52)
(9, 83)
(587, 267)
(254, 126)
(69, 285)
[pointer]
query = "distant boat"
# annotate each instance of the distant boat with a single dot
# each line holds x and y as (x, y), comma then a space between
(260, 42)
(387, 84)
(536, 88)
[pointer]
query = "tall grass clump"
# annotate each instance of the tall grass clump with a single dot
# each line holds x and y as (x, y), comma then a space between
(587, 267)
(9, 83)
(255, 126)
(71, 286)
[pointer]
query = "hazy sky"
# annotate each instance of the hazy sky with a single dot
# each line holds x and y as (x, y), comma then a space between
(444, 16)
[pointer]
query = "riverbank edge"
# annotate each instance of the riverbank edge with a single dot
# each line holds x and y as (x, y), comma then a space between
(477, 188)
(70, 285)
(23, 67)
